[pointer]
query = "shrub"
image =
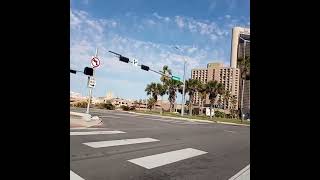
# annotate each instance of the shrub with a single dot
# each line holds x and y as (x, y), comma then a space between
(125, 108)
(107, 105)
(132, 108)
(219, 114)
(81, 104)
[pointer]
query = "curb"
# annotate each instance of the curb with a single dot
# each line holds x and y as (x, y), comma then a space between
(88, 120)
(196, 120)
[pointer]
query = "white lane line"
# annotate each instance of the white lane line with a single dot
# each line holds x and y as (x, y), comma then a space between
(94, 133)
(244, 174)
(110, 117)
(74, 176)
(100, 144)
(229, 131)
(88, 128)
(132, 115)
(157, 160)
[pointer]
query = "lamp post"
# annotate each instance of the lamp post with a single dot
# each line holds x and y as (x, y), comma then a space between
(184, 82)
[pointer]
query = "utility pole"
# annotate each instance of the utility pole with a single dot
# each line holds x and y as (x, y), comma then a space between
(184, 82)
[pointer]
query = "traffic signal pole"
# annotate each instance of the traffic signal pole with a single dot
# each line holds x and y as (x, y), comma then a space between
(144, 67)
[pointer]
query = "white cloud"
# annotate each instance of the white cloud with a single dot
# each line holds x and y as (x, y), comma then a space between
(192, 49)
(167, 19)
(179, 21)
(192, 27)
(227, 16)
(150, 22)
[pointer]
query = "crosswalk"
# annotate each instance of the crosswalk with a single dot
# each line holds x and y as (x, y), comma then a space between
(147, 162)
(153, 118)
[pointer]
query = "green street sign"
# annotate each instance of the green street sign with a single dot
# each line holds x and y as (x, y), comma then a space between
(175, 78)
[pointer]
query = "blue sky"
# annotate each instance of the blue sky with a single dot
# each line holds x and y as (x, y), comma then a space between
(147, 30)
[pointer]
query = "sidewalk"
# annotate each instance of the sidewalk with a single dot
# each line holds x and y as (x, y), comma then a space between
(84, 120)
(192, 120)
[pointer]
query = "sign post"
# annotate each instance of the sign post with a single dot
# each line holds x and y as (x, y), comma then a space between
(95, 62)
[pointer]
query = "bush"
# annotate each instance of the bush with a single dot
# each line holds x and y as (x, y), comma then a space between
(81, 104)
(107, 105)
(219, 114)
(125, 108)
(132, 108)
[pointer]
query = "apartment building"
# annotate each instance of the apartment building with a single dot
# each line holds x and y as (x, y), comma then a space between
(228, 76)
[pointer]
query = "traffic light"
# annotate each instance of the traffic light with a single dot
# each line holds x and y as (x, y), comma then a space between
(73, 71)
(146, 68)
(124, 59)
(88, 71)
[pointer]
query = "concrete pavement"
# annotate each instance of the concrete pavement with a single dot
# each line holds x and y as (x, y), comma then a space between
(130, 146)
(78, 119)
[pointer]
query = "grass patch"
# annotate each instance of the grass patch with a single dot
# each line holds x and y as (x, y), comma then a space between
(237, 121)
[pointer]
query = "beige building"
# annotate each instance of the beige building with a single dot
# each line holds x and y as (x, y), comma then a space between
(228, 76)
(240, 48)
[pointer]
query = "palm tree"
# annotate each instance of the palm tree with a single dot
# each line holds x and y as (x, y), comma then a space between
(139, 103)
(172, 86)
(153, 89)
(202, 94)
(213, 89)
(233, 101)
(226, 98)
(162, 89)
(167, 71)
(151, 103)
(191, 88)
(244, 66)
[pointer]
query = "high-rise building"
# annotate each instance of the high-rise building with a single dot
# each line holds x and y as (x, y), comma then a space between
(228, 76)
(240, 49)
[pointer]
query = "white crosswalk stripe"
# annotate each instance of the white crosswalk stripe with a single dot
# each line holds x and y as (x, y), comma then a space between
(162, 159)
(94, 133)
(82, 128)
(74, 176)
(120, 142)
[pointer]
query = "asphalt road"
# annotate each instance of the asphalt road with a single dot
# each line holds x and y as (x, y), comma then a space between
(219, 151)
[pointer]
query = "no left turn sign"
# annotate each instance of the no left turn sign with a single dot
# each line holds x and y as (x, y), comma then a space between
(95, 62)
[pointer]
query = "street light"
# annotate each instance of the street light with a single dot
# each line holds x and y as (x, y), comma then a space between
(243, 81)
(184, 81)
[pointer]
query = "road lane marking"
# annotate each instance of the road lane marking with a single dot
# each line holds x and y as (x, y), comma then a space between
(94, 133)
(74, 176)
(243, 174)
(88, 128)
(121, 142)
(157, 160)
(110, 117)
(229, 131)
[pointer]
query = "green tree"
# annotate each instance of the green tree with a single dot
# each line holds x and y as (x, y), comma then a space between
(226, 98)
(139, 103)
(172, 86)
(192, 86)
(153, 89)
(165, 70)
(213, 89)
(151, 103)
(162, 89)
(244, 66)
(233, 101)
(203, 95)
